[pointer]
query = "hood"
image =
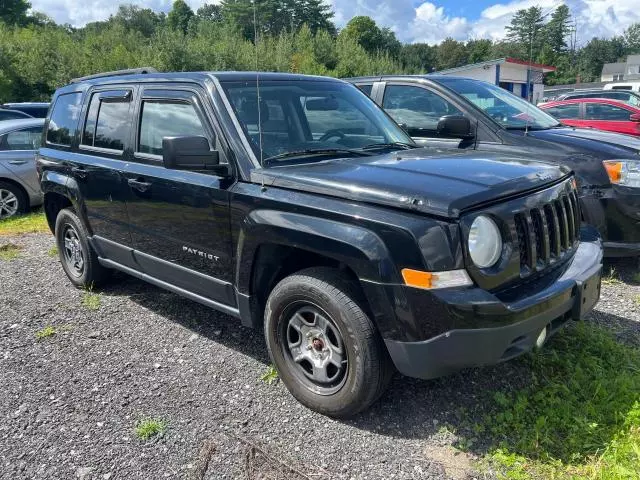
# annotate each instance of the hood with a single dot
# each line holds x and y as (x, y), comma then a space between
(591, 139)
(432, 181)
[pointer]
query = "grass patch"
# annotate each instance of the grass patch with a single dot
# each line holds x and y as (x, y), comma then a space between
(270, 376)
(636, 277)
(611, 278)
(150, 427)
(53, 251)
(578, 418)
(9, 251)
(46, 332)
(90, 299)
(31, 223)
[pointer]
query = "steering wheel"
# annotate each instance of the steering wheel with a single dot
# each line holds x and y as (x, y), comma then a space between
(332, 133)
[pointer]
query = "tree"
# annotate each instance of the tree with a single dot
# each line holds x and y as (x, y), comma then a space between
(180, 16)
(418, 58)
(632, 39)
(134, 18)
(210, 12)
(598, 52)
(525, 30)
(479, 50)
(558, 29)
(275, 16)
(451, 53)
(364, 31)
(14, 12)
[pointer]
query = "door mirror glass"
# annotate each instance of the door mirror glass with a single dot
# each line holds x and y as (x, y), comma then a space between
(455, 126)
(189, 153)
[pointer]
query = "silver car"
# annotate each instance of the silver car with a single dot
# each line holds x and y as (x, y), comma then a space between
(19, 184)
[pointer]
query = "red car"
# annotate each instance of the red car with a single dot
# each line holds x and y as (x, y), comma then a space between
(600, 113)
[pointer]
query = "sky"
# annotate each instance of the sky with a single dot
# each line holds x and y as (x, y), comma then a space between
(411, 20)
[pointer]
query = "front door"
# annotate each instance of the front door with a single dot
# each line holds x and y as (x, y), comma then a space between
(418, 110)
(180, 220)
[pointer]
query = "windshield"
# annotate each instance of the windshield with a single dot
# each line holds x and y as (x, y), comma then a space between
(508, 110)
(310, 119)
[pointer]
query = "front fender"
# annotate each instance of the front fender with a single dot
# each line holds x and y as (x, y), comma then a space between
(358, 248)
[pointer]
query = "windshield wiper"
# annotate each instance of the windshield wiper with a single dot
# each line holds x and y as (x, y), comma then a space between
(402, 145)
(316, 151)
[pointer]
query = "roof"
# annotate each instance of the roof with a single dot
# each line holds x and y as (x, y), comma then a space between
(607, 101)
(8, 125)
(199, 77)
(499, 61)
(619, 67)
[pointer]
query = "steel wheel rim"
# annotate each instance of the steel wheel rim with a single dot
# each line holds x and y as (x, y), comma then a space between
(8, 203)
(73, 251)
(314, 348)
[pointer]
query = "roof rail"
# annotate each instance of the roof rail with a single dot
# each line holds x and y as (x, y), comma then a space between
(115, 73)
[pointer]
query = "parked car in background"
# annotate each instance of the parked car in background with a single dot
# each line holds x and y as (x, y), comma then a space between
(461, 113)
(633, 86)
(33, 109)
(625, 96)
(600, 113)
(301, 208)
(8, 114)
(19, 183)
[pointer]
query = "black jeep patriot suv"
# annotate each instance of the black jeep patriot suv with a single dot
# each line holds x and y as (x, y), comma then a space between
(295, 203)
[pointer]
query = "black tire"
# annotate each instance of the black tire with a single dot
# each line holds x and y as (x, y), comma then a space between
(70, 228)
(16, 198)
(367, 369)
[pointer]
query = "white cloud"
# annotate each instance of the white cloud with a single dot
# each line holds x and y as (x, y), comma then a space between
(429, 22)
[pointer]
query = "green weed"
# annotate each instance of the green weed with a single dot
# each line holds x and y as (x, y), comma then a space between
(46, 332)
(31, 223)
(90, 300)
(9, 251)
(150, 427)
(270, 376)
(611, 278)
(53, 251)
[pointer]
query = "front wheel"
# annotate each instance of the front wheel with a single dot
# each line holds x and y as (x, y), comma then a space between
(13, 201)
(325, 347)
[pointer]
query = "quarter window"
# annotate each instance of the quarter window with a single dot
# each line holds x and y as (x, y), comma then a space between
(417, 108)
(64, 119)
(366, 88)
(161, 119)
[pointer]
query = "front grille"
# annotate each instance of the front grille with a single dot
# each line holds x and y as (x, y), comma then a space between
(548, 232)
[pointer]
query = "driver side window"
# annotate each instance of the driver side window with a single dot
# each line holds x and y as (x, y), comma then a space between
(417, 108)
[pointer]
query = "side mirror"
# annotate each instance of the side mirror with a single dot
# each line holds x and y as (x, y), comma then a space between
(635, 117)
(189, 153)
(455, 126)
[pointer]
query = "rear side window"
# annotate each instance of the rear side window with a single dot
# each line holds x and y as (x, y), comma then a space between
(602, 111)
(564, 111)
(108, 121)
(64, 119)
(166, 118)
(27, 139)
(12, 115)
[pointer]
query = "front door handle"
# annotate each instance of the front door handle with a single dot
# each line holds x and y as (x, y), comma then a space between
(80, 172)
(17, 162)
(139, 185)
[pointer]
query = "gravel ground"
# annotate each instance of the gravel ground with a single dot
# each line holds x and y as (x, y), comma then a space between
(69, 402)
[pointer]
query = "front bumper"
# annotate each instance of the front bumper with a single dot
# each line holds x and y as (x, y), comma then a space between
(514, 326)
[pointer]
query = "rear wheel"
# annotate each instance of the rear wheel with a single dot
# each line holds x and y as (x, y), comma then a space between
(13, 201)
(78, 259)
(323, 344)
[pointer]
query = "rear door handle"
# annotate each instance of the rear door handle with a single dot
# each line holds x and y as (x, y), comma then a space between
(80, 172)
(17, 162)
(139, 185)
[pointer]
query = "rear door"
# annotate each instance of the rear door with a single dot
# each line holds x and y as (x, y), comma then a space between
(180, 219)
(610, 117)
(569, 114)
(17, 155)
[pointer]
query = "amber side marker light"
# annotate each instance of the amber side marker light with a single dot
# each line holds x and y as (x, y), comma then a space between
(614, 170)
(433, 280)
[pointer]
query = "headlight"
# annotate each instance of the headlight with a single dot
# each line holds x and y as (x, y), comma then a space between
(485, 242)
(623, 172)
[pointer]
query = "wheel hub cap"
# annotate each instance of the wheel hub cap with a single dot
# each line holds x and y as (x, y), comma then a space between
(316, 348)
(8, 204)
(73, 253)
